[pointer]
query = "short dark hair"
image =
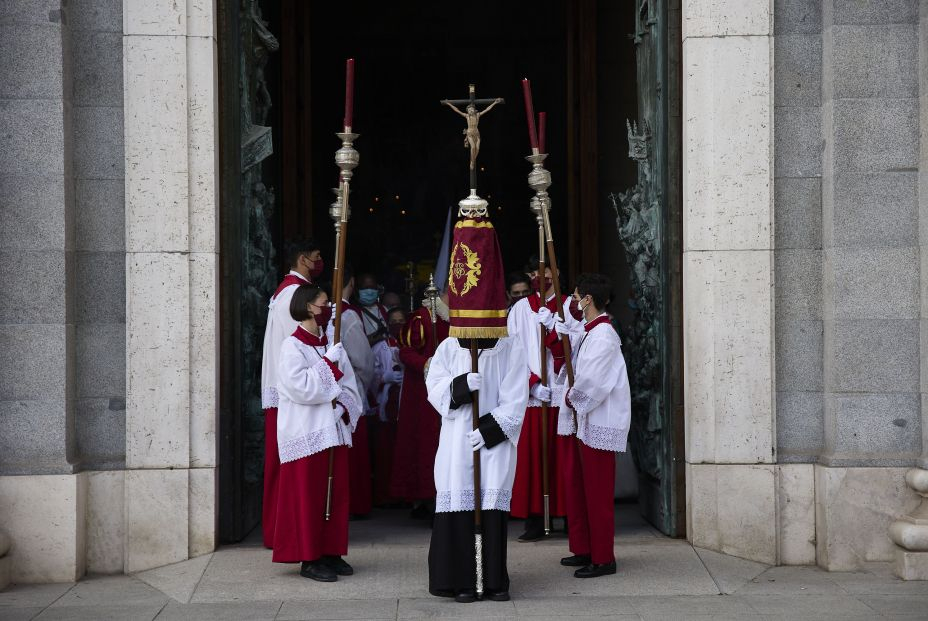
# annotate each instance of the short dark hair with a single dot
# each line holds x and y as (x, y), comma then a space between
(596, 286)
(396, 309)
(295, 248)
(517, 277)
(304, 294)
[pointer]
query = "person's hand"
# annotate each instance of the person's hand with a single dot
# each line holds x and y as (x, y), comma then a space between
(474, 381)
(546, 318)
(476, 439)
(541, 392)
(562, 328)
(393, 377)
(335, 353)
(340, 413)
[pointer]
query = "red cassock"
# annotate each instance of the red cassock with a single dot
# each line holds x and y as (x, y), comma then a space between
(528, 485)
(302, 532)
(419, 424)
(359, 455)
(384, 453)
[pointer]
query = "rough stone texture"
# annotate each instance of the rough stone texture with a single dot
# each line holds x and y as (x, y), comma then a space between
(798, 218)
(797, 16)
(44, 517)
(717, 18)
(202, 519)
(30, 276)
(729, 357)
(874, 356)
(875, 135)
(875, 283)
(33, 145)
(101, 291)
(101, 360)
(98, 15)
(105, 528)
(101, 432)
(800, 431)
(875, 61)
(854, 508)
(798, 70)
(798, 285)
(204, 359)
(32, 215)
(201, 151)
(156, 518)
(876, 209)
(797, 141)
(719, 519)
(141, 17)
(796, 514)
(100, 220)
(35, 50)
(40, 352)
(727, 185)
(98, 143)
(799, 356)
(879, 426)
(883, 12)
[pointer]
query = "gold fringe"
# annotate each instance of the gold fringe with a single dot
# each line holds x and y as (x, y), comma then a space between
(462, 332)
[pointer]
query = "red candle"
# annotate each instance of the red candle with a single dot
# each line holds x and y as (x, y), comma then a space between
(529, 113)
(349, 92)
(542, 118)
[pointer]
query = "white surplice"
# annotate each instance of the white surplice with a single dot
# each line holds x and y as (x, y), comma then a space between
(279, 326)
(386, 358)
(503, 395)
(601, 395)
(306, 421)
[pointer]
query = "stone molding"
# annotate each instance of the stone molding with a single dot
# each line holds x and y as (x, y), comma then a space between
(910, 532)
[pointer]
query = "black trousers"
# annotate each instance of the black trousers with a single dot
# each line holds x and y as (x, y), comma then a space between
(452, 562)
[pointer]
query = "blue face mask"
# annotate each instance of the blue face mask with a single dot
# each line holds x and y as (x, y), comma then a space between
(368, 296)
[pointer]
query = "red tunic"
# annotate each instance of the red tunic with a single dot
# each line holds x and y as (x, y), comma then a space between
(419, 424)
(528, 486)
(384, 443)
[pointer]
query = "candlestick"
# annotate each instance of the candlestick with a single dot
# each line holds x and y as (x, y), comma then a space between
(542, 122)
(349, 94)
(530, 113)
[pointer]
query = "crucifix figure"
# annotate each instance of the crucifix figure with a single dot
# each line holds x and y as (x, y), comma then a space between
(472, 114)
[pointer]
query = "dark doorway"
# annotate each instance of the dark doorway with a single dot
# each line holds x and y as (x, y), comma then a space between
(581, 59)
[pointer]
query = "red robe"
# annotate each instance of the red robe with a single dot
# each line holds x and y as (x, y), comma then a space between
(359, 455)
(528, 486)
(384, 443)
(419, 424)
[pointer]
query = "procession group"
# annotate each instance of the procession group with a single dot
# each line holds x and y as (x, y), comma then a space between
(383, 418)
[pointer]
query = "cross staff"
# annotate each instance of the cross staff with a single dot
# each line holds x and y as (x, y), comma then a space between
(472, 133)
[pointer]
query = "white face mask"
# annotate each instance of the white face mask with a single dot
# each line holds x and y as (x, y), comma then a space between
(441, 309)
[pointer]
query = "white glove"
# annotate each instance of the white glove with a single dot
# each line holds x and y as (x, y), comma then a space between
(335, 353)
(338, 411)
(474, 381)
(476, 439)
(546, 318)
(541, 392)
(330, 330)
(562, 328)
(393, 377)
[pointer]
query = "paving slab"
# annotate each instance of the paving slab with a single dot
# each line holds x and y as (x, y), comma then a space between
(9, 613)
(899, 604)
(574, 604)
(31, 595)
(730, 573)
(446, 608)
(791, 581)
(179, 580)
(101, 612)
(875, 579)
(125, 590)
(810, 606)
(325, 610)
(699, 605)
(244, 611)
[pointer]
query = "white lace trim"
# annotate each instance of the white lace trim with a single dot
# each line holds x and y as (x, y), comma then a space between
(565, 422)
(604, 438)
(312, 443)
(510, 427)
(581, 401)
(352, 406)
(326, 378)
(463, 500)
(269, 398)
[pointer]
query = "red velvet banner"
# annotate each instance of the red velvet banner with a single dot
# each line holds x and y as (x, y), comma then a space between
(476, 281)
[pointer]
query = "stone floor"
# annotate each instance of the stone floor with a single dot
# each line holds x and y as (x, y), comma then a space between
(658, 578)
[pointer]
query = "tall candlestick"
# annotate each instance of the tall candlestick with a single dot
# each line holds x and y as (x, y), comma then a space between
(542, 122)
(529, 113)
(349, 93)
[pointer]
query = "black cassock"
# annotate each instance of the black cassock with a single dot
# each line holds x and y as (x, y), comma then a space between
(452, 563)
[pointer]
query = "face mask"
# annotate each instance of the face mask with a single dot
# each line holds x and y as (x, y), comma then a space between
(368, 296)
(318, 266)
(323, 316)
(575, 311)
(441, 309)
(396, 329)
(536, 283)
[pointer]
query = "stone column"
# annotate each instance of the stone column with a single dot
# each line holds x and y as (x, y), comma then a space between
(728, 277)
(170, 82)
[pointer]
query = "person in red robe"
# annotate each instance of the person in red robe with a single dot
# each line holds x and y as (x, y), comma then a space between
(419, 423)
(386, 401)
(305, 265)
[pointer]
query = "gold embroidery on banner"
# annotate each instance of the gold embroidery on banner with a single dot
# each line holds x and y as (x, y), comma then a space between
(478, 314)
(469, 269)
(473, 224)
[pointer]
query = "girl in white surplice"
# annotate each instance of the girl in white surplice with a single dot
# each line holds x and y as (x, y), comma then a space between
(503, 393)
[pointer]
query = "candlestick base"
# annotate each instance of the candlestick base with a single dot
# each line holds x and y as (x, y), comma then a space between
(473, 206)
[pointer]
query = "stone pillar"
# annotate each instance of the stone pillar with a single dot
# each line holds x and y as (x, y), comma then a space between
(170, 80)
(910, 532)
(728, 277)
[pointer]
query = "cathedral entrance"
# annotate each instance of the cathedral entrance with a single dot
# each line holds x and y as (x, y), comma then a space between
(616, 193)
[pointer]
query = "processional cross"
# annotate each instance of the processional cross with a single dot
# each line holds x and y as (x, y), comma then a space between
(472, 133)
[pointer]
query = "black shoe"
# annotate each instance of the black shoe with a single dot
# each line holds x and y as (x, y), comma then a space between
(318, 571)
(534, 529)
(420, 512)
(339, 565)
(466, 597)
(497, 596)
(577, 560)
(441, 593)
(594, 571)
